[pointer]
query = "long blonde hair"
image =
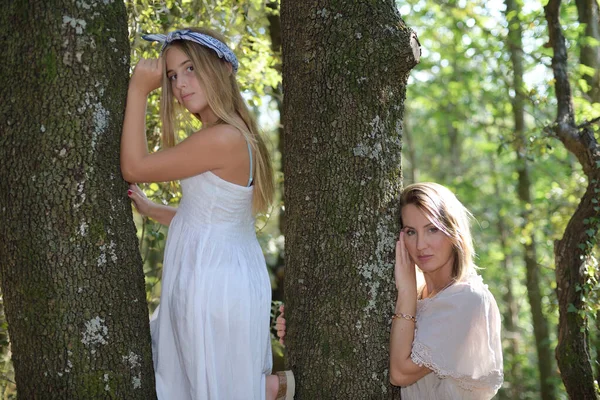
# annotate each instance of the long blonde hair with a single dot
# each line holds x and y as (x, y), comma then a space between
(449, 215)
(224, 98)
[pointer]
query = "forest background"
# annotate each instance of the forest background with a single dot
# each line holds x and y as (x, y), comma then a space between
(459, 130)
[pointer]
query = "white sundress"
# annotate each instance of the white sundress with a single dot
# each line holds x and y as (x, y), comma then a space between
(210, 339)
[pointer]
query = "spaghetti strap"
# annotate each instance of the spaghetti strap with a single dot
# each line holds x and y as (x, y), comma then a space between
(251, 171)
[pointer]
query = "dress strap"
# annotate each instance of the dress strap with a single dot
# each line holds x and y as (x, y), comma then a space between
(251, 171)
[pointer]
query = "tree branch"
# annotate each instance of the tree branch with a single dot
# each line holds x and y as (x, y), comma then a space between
(588, 123)
(580, 142)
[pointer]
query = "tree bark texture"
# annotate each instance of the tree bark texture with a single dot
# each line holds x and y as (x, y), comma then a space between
(345, 68)
(588, 12)
(573, 249)
(71, 272)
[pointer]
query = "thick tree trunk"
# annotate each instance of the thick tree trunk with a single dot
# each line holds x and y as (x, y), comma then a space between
(71, 273)
(540, 323)
(573, 249)
(572, 351)
(345, 68)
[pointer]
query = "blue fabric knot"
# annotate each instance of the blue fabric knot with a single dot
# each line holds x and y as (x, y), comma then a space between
(223, 51)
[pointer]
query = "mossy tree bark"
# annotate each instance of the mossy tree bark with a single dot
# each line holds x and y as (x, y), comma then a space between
(345, 68)
(588, 13)
(573, 250)
(71, 273)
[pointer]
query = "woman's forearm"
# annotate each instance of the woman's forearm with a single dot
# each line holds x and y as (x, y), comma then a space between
(162, 214)
(403, 371)
(133, 139)
(403, 330)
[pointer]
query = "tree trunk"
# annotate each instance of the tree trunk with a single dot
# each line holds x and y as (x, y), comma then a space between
(511, 314)
(534, 294)
(540, 324)
(345, 68)
(589, 15)
(71, 272)
(573, 249)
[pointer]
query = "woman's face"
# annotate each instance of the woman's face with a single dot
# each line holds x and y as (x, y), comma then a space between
(429, 248)
(184, 83)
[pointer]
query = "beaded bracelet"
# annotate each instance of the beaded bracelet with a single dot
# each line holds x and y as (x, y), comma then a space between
(405, 316)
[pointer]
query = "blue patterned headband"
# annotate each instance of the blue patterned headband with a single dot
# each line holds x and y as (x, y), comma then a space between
(222, 50)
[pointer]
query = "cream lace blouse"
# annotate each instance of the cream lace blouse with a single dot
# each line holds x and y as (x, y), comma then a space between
(457, 336)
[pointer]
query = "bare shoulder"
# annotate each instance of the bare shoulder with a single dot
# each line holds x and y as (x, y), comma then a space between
(223, 133)
(218, 138)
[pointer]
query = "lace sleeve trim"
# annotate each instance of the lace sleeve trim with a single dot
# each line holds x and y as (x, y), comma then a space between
(421, 356)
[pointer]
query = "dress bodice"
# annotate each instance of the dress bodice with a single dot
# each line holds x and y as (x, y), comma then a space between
(208, 199)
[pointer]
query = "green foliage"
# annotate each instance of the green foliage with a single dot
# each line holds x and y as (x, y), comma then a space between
(8, 389)
(458, 106)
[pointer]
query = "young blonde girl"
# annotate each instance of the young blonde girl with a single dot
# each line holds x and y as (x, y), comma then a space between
(211, 336)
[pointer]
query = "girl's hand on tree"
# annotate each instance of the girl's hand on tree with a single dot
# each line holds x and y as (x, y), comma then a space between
(280, 325)
(147, 75)
(142, 204)
(404, 271)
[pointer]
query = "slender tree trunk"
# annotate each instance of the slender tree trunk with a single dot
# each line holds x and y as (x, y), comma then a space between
(540, 323)
(511, 314)
(589, 15)
(71, 272)
(345, 68)
(573, 249)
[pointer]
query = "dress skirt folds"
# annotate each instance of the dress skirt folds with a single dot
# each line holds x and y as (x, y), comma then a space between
(210, 335)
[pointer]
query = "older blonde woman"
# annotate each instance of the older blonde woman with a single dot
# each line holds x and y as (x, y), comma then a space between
(445, 337)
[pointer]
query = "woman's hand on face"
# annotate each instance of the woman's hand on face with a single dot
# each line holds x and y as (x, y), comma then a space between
(404, 271)
(142, 204)
(147, 75)
(280, 325)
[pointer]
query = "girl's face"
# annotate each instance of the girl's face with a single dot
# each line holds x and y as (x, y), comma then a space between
(429, 248)
(184, 83)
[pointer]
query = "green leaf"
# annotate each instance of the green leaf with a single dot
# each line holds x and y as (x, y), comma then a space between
(571, 308)
(590, 232)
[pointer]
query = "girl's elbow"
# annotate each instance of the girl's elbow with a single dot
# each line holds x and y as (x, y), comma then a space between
(397, 378)
(128, 174)
(129, 171)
